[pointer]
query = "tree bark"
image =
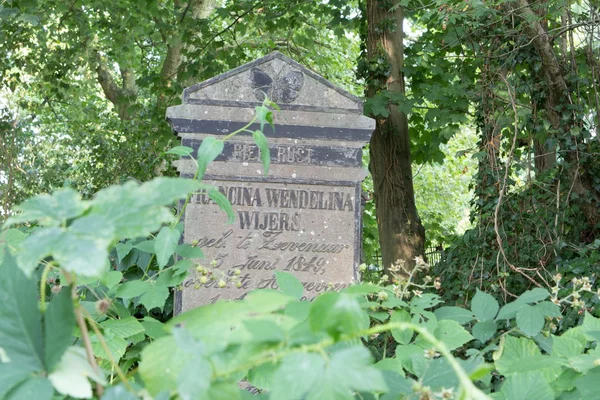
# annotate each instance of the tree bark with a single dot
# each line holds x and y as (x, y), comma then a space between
(558, 95)
(401, 233)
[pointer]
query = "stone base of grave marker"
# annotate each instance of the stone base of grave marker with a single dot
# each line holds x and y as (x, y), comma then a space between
(305, 216)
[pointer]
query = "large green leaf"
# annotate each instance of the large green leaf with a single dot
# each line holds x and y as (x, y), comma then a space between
(40, 244)
(457, 314)
(527, 385)
(38, 388)
(209, 149)
(50, 210)
(401, 336)
(11, 376)
(59, 321)
(296, 376)
(484, 330)
(348, 370)
(71, 376)
(588, 384)
(337, 313)
(20, 319)
(452, 334)
(137, 210)
(165, 244)
(533, 295)
(289, 284)
(514, 351)
(530, 320)
(484, 306)
(123, 328)
(162, 362)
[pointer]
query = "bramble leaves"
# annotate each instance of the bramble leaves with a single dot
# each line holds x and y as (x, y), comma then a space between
(20, 320)
(166, 244)
(50, 210)
(484, 306)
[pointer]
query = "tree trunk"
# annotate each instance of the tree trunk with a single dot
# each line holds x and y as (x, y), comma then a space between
(401, 233)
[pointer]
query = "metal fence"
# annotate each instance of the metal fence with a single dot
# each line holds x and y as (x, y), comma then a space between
(433, 254)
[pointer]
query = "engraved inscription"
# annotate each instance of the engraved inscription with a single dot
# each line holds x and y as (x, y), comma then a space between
(283, 154)
(307, 230)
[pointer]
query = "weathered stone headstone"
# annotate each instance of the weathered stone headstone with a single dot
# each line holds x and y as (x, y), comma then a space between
(305, 216)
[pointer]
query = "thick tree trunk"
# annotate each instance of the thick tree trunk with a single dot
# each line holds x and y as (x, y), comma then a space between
(401, 233)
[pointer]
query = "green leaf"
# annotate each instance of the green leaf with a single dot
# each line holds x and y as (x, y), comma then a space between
(457, 314)
(155, 297)
(118, 392)
(527, 385)
(425, 301)
(484, 330)
(131, 289)
(262, 376)
(336, 314)
(188, 251)
(265, 153)
(20, 319)
(111, 278)
(264, 331)
(116, 345)
(50, 210)
(39, 245)
(510, 310)
(362, 288)
(262, 115)
(193, 381)
(548, 309)
(153, 328)
(222, 201)
(181, 151)
(401, 336)
(530, 320)
(514, 351)
(59, 321)
(484, 306)
(566, 347)
(534, 295)
(147, 246)
(123, 250)
(38, 388)
(137, 210)
(452, 334)
(11, 376)
(71, 376)
(165, 245)
(162, 361)
(349, 369)
(588, 384)
(209, 149)
(289, 284)
(123, 328)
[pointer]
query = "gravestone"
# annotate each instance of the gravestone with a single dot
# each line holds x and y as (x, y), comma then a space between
(304, 217)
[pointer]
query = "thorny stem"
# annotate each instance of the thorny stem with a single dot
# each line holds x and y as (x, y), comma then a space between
(114, 364)
(85, 336)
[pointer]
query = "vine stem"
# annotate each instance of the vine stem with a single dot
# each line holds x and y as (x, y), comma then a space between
(85, 335)
(43, 280)
(114, 364)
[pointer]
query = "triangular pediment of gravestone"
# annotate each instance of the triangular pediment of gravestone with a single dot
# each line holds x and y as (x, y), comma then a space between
(287, 83)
